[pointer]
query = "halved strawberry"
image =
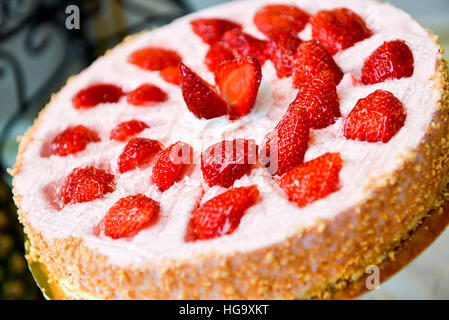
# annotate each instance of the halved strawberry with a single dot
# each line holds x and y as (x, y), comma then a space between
(218, 53)
(338, 29)
(239, 81)
(221, 215)
(319, 97)
(127, 129)
(392, 60)
(169, 163)
(244, 44)
(312, 180)
(287, 17)
(86, 184)
(227, 161)
(129, 215)
(137, 152)
(376, 118)
(284, 147)
(171, 75)
(154, 59)
(96, 94)
(72, 140)
(282, 46)
(212, 30)
(310, 60)
(146, 94)
(200, 98)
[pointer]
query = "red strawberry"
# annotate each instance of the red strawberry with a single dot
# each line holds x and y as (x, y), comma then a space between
(218, 53)
(239, 81)
(338, 29)
(311, 59)
(221, 215)
(129, 215)
(286, 17)
(169, 164)
(284, 147)
(392, 60)
(245, 45)
(312, 180)
(96, 94)
(73, 140)
(227, 161)
(376, 118)
(86, 184)
(171, 75)
(282, 46)
(138, 152)
(127, 129)
(146, 94)
(154, 59)
(200, 98)
(319, 97)
(211, 30)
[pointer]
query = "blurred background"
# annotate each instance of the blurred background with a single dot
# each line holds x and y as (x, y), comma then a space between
(37, 55)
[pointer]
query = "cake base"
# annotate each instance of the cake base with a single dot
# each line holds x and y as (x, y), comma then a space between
(399, 256)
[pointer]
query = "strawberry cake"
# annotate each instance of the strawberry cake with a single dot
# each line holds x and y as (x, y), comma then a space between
(257, 149)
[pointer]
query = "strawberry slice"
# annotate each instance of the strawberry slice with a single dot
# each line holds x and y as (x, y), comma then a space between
(319, 97)
(221, 215)
(227, 161)
(239, 81)
(311, 59)
(212, 30)
(218, 53)
(376, 118)
(200, 98)
(392, 60)
(289, 18)
(72, 140)
(312, 180)
(86, 184)
(169, 164)
(282, 46)
(146, 94)
(155, 59)
(171, 75)
(137, 152)
(96, 94)
(244, 44)
(128, 216)
(338, 29)
(284, 147)
(127, 129)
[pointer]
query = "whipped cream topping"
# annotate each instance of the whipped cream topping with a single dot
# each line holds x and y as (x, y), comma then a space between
(273, 218)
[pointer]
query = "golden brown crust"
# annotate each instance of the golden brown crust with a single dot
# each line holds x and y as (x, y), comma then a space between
(303, 266)
(400, 254)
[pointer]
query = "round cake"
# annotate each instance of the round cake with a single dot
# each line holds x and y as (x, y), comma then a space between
(253, 150)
